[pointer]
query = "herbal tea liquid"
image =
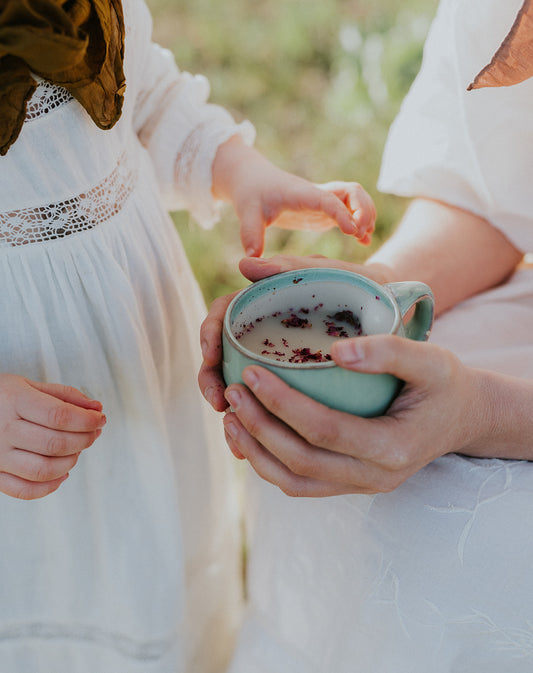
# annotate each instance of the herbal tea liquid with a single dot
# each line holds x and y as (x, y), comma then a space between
(302, 334)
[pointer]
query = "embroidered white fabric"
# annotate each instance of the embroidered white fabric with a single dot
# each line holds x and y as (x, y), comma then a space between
(79, 213)
(111, 573)
(46, 98)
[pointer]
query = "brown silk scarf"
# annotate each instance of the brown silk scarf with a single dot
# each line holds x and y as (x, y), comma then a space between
(76, 44)
(513, 62)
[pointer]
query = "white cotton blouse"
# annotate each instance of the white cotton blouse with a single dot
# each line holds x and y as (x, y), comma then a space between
(133, 565)
(435, 576)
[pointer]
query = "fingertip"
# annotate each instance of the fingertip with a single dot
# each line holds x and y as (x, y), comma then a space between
(255, 268)
(215, 397)
(231, 433)
(95, 405)
(252, 242)
(348, 353)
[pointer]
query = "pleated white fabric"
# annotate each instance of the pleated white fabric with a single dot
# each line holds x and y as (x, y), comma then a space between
(133, 565)
(435, 576)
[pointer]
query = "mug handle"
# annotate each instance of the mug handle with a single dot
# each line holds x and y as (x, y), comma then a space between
(413, 293)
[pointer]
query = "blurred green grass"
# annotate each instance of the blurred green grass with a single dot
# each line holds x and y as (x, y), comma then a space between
(321, 81)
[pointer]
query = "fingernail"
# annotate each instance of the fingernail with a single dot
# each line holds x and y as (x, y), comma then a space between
(209, 394)
(250, 252)
(251, 379)
(234, 398)
(231, 429)
(348, 351)
(103, 421)
(204, 348)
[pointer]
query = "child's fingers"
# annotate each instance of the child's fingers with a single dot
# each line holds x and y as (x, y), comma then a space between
(253, 231)
(67, 394)
(358, 202)
(38, 439)
(51, 412)
(37, 468)
(16, 487)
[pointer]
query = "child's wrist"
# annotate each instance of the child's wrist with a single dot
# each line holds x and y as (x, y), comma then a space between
(231, 159)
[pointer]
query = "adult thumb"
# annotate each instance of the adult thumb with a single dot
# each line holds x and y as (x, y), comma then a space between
(415, 361)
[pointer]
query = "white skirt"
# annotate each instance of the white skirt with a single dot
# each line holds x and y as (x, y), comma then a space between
(133, 565)
(433, 577)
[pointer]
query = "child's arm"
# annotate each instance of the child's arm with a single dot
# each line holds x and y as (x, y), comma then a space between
(43, 429)
(263, 194)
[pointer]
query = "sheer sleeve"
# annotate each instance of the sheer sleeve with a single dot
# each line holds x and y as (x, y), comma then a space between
(472, 149)
(182, 133)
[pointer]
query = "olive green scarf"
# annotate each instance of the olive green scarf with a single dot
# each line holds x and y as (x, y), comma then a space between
(77, 44)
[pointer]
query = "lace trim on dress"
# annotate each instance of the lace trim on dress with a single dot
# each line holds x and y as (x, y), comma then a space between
(189, 153)
(79, 213)
(47, 97)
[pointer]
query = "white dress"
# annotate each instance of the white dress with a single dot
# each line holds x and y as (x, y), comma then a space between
(133, 565)
(435, 577)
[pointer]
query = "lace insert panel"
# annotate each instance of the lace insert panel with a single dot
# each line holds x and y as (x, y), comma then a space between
(79, 213)
(46, 98)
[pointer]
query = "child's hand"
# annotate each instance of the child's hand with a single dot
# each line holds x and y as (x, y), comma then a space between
(43, 429)
(263, 194)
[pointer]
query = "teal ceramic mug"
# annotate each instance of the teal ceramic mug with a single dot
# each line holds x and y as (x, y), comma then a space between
(287, 322)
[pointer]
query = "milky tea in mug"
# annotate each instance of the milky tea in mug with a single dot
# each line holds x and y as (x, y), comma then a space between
(288, 322)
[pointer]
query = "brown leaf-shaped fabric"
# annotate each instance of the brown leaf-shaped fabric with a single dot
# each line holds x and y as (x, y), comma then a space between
(77, 44)
(513, 62)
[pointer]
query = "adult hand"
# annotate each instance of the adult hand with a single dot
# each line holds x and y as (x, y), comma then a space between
(210, 376)
(43, 429)
(307, 449)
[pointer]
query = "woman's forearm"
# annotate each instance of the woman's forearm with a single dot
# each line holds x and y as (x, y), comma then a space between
(502, 417)
(455, 252)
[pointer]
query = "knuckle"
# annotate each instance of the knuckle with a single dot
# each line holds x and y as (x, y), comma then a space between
(9, 429)
(299, 464)
(56, 446)
(59, 416)
(69, 391)
(320, 433)
(253, 426)
(275, 404)
(42, 471)
(292, 487)
(25, 492)
(449, 367)
(397, 459)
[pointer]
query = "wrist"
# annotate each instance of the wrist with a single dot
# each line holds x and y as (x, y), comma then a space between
(231, 159)
(502, 415)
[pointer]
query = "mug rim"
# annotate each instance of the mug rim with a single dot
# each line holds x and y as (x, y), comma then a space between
(296, 274)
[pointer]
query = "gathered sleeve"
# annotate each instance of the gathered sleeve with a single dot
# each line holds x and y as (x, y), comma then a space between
(471, 149)
(182, 133)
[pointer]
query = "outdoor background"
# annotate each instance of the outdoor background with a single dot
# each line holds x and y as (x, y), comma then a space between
(321, 80)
